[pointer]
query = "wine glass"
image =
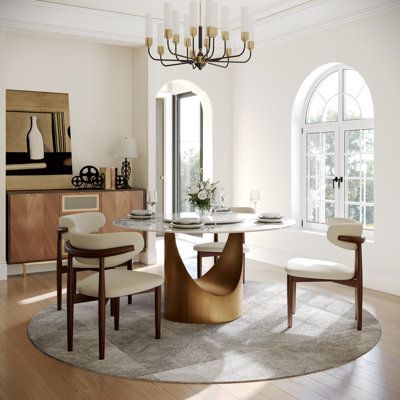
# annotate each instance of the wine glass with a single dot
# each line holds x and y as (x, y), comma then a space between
(151, 199)
(216, 200)
(254, 197)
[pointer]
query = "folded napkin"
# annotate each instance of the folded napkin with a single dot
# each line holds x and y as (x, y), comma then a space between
(187, 221)
(270, 215)
(223, 209)
(142, 213)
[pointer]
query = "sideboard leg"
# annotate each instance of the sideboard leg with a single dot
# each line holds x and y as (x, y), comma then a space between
(24, 270)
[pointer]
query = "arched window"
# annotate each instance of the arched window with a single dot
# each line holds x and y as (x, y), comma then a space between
(338, 148)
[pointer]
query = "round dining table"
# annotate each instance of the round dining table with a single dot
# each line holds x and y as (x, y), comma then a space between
(217, 296)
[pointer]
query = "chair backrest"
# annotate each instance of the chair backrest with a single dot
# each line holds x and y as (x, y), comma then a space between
(243, 210)
(86, 222)
(344, 227)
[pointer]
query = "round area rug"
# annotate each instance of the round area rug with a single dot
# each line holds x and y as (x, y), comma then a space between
(257, 346)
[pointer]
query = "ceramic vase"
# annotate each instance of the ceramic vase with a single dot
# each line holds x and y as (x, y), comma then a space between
(35, 141)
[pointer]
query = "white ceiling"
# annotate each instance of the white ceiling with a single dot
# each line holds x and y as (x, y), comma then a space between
(260, 8)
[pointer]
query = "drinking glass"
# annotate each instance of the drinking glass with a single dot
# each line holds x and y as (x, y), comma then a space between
(216, 201)
(254, 197)
(151, 199)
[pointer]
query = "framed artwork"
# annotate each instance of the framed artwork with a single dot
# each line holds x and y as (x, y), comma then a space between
(38, 140)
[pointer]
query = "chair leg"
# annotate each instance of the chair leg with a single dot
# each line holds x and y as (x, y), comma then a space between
(244, 268)
(70, 306)
(157, 300)
(290, 300)
(355, 304)
(294, 287)
(102, 311)
(75, 279)
(359, 290)
(112, 312)
(129, 267)
(199, 264)
(215, 259)
(116, 313)
(59, 286)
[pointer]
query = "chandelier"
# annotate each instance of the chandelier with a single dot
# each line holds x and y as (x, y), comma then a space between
(206, 51)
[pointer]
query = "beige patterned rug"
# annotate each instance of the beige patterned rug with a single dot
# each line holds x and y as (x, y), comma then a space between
(257, 346)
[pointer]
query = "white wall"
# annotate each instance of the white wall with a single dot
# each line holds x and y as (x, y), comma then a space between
(98, 79)
(264, 92)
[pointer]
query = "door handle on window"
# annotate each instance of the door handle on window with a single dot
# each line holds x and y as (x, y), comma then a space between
(336, 179)
(340, 180)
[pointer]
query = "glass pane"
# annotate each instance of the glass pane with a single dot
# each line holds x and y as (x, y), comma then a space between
(328, 88)
(330, 112)
(369, 217)
(312, 213)
(189, 146)
(354, 212)
(368, 140)
(353, 166)
(353, 190)
(329, 211)
(368, 165)
(369, 191)
(353, 141)
(351, 108)
(329, 142)
(329, 192)
(312, 169)
(357, 97)
(315, 108)
(313, 143)
(329, 165)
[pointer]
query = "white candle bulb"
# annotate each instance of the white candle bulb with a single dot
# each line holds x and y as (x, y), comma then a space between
(175, 22)
(193, 14)
(208, 12)
(245, 18)
(160, 35)
(214, 14)
(186, 25)
(225, 19)
(149, 26)
(168, 15)
(251, 28)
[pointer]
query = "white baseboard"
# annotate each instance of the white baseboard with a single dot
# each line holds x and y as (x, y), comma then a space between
(16, 269)
(372, 280)
(3, 272)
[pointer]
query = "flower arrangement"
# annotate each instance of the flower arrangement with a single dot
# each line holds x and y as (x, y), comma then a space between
(199, 194)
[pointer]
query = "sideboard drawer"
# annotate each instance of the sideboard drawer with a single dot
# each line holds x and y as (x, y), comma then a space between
(72, 203)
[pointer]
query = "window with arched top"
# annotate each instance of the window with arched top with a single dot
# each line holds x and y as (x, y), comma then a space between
(338, 149)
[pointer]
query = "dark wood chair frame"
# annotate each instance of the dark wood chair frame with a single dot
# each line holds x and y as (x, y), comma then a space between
(356, 282)
(74, 298)
(215, 254)
(62, 269)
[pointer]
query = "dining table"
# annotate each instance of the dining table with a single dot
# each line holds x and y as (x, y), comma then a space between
(217, 296)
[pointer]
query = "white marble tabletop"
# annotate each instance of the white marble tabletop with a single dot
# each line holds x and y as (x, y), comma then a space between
(221, 223)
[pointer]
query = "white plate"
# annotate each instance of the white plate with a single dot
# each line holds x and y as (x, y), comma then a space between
(187, 221)
(186, 226)
(270, 220)
(141, 213)
(142, 217)
(222, 219)
(270, 215)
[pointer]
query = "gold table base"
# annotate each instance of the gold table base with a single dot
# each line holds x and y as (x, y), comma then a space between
(214, 298)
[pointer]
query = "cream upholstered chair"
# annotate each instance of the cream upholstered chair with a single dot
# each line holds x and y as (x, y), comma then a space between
(215, 248)
(107, 250)
(347, 234)
(86, 222)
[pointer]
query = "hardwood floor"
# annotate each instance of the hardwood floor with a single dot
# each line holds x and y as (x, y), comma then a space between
(26, 373)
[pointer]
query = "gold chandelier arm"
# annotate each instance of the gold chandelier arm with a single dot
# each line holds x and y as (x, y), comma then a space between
(234, 56)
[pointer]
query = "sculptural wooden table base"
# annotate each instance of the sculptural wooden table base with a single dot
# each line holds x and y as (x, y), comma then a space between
(215, 297)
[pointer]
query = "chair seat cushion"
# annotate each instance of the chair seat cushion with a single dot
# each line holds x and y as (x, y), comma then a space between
(119, 283)
(318, 269)
(214, 247)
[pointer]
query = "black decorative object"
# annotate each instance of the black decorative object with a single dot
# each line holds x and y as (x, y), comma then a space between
(126, 173)
(88, 178)
(121, 182)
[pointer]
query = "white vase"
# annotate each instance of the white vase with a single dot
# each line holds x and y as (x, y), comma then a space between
(35, 141)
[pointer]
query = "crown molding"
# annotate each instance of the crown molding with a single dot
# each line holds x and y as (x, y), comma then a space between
(287, 20)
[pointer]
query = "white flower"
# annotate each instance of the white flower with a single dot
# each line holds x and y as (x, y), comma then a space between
(201, 186)
(208, 186)
(193, 189)
(202, 195)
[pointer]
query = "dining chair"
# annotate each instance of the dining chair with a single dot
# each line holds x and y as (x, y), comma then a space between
(106, 250)
(342, 232)
(87, 222)
(215, 248)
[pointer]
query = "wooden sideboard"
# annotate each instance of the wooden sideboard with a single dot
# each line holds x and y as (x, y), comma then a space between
(32, 217)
